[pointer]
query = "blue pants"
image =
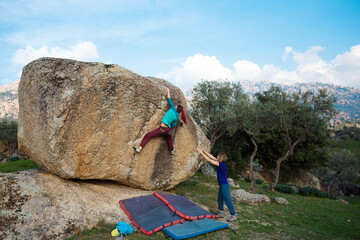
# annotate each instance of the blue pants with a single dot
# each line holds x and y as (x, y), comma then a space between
(224, 195)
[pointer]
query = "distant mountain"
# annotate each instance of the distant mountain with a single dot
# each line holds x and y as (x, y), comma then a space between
(348, 98)
(9, 105)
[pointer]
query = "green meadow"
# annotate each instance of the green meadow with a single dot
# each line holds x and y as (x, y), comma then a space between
(302, 218)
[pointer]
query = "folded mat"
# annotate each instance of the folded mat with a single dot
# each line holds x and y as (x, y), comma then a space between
(184, 207)
(189, 229)
(149, 214)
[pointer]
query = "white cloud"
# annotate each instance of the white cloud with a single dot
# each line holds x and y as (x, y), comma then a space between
(83, 51)
(196, 68)
(286, 52)
(246, 70)
(344, 69)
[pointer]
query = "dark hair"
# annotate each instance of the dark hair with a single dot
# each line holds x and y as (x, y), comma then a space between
(179, 108)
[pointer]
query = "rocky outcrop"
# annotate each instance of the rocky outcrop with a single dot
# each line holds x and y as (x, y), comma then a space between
(38, 205)
(245, 173)
(241, 196)
(304, 179)
(80, 120)
(9, 104)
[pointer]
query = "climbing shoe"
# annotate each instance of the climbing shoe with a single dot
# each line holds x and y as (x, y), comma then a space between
(136, 149)
(173, 151)
(232, 218)
(220, 215)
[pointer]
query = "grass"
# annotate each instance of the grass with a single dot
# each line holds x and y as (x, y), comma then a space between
(18, 165)
(302, 218)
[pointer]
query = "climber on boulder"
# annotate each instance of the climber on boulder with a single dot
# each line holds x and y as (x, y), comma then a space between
(167, 122)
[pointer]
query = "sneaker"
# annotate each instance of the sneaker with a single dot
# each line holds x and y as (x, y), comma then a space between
(232, 218)
(136, 149)
(173, 151)
(220, 215)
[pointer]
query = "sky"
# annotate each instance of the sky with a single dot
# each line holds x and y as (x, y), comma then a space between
(186, 41)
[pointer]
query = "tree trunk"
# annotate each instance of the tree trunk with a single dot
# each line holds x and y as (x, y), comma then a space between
(274, 181)
(253, 154)
(332, 180)
(288, 153)
(214, 136)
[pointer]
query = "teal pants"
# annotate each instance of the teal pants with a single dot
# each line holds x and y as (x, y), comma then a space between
(224, 195)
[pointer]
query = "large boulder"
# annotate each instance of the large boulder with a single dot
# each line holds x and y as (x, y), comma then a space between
(38, 205)
(79, 120)
(304, 179)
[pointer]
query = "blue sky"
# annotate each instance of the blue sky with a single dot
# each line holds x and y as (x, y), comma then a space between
(184, 41)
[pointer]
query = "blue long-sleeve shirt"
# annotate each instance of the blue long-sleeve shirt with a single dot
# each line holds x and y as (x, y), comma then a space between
(171, 116)
(221, 173)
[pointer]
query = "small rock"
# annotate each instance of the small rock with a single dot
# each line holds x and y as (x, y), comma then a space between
(295, 189)
(241, 196)
(342, 200)
(233, 183)
(5, 160)
(281, 200)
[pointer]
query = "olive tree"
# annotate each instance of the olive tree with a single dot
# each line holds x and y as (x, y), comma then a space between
(210, 106)
(342, 167)
(250, 117)
(293, 117)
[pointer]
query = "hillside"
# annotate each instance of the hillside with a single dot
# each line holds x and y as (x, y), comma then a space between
(348, 98)
(9, 106)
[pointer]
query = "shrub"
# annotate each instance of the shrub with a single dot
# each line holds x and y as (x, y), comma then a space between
(285, 188)
(259, 181)
(247, 179)
(14, 159)
(321, 194)
(308, 191)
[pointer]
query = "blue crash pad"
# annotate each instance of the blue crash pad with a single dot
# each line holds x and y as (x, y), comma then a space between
(189, 229)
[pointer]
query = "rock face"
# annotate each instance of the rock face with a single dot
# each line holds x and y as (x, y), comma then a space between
(80, 120)
(38, 205)
(241, 196)
(305, 179)
(246, 174)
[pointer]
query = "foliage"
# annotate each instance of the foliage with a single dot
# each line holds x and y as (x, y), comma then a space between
(259, 181)
(293, 117)
(14, 159)
(308, 191)
(305, 191)
(344, 162)
(249, 117)
(18, 165)
(352, 143)
(338, 145)
(285, 188)
(236, 148)
(247, 179)
(210, 104)
(8, 131)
